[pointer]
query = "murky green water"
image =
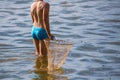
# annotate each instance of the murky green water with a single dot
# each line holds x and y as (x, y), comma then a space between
(92, 25)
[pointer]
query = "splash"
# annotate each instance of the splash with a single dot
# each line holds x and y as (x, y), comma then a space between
(57, 53)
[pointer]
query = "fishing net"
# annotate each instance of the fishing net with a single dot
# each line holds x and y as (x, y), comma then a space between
(57, 53)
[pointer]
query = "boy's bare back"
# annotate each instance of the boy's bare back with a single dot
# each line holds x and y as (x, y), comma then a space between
(39, 13)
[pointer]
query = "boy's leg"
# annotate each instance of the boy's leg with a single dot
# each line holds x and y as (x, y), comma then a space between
(36, 43)
(42, 48)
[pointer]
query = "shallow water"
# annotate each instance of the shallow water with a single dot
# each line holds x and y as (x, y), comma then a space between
(92, 25)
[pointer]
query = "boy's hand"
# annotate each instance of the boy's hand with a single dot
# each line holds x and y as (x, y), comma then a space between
(51, 37)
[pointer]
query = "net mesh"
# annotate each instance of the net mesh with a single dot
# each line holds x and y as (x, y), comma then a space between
(57, 53)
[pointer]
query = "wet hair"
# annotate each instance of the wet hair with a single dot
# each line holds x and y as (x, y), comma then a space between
(38, 0)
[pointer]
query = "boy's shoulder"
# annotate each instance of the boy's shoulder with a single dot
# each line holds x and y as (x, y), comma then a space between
(33, 4)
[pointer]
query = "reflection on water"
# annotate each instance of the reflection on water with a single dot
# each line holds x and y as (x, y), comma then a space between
(7, 60)
(41, 63)
(41, 72)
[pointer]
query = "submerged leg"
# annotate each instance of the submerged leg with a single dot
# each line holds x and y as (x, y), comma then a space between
(36, 43)
(42, 48)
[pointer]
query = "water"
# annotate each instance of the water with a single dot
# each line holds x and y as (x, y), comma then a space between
(92, 25)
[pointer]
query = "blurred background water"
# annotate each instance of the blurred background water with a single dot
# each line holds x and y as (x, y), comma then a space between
(92, 25)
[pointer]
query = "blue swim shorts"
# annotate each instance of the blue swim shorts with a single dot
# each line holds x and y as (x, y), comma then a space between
(39, 33)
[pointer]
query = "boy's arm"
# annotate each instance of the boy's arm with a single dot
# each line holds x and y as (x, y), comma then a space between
(46, 19)
(31, 9)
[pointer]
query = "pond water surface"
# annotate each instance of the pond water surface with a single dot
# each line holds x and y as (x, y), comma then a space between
(92, 25)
